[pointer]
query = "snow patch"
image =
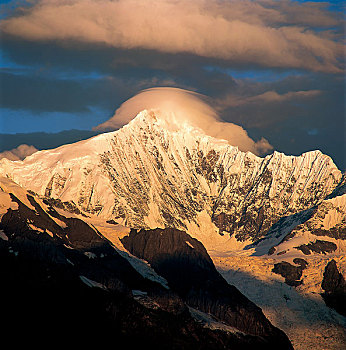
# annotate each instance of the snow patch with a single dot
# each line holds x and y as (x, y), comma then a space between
(189, 244)
(90, 255)
(91, 283)
(136, 292)
(34, 228)
(209, 322)
(6, 203)
(9, 186)
(70, 262)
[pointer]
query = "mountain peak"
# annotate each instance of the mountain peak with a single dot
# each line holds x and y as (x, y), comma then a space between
(160, 170)
(167, 120)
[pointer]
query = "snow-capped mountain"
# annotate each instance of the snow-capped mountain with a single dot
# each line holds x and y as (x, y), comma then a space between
(155, 173)
(273, 227)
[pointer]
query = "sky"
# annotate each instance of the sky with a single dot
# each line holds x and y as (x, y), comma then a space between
(274, 69)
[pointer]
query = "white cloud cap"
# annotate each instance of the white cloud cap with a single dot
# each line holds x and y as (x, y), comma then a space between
(189, 107)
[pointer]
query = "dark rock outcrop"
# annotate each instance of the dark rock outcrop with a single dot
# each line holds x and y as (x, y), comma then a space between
(190, 272)
(334, 285)
(337, 232)
(291, 273)
(303, 263)
(320, 247)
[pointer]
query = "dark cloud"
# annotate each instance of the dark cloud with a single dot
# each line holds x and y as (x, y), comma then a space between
(295, 123)
(314, 99)
(295, 136)
(45, 91)
(40, 94)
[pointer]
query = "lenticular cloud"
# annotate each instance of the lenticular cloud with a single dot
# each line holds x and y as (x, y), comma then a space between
(185, 107)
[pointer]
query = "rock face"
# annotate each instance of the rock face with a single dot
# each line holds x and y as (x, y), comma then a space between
(321, 247)
(149, 174)
(328, 219)
(190, 272)
(334, 286)
(291, 273)
(320, 229)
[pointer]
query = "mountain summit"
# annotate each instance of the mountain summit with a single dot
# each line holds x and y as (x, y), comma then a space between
(158, 171)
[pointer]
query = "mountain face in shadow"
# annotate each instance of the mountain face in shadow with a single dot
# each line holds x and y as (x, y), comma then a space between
(59, 272)
(190, 272)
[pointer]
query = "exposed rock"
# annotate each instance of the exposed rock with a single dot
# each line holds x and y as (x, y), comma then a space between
(303, 263)
(112, 222)
(320, 247)
(186, 265)
(337, 232)
(291, 273)
(48, 297)
(340, 189)
(36, 235)
(334, 286)
(271, 251)
(70, 206)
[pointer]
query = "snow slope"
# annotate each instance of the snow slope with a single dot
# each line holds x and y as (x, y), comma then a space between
(300, 312)
(319, 229)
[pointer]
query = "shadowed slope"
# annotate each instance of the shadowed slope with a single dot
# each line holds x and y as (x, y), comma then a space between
(186, 265)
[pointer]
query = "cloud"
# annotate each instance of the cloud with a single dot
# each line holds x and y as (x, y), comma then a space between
(182, 106)
(265, 33)
(19, 153)
(268, 97)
